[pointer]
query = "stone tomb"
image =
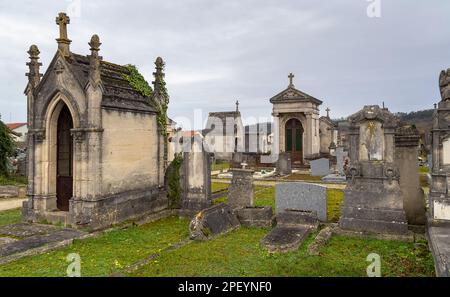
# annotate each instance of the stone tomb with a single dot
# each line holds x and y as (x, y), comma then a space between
(303, 197)
(373, 201)
(320, 167)
(241, 199)
(213, 221)
(293, 227)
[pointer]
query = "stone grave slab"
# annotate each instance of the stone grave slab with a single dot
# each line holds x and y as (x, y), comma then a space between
(320, 167)
(9, 191)
(213, 221)
(285, 239)
(255, 216)
(302, 196)
(38, 241)
(22, 230)
(241, 191)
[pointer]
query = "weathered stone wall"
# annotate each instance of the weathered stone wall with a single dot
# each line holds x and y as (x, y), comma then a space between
(130, 152)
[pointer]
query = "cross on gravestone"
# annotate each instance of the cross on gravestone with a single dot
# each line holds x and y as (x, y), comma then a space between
(62, 20)
(291, 78)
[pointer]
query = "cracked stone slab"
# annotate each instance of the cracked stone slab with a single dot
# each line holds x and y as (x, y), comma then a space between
(286, 239)
(439, 238)
(6, 240)
(22, 230)
(38, 241)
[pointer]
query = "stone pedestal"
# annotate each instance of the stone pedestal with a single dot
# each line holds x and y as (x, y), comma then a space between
(240, 193)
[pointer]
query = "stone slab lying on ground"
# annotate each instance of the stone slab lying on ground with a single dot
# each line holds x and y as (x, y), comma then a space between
(334, 179)
(321, 240)
(255, 216)
(9, 191)
(293, 227)
(285, 239)
(26, 230)
(39, 240)
(213, 221)
(439, 241)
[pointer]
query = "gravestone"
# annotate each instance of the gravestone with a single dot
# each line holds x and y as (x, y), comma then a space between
(320, 167)
(196, 181)
(406, 153)
(240, 193)
(213, 221)
(303, 197)
(284, 164)
(340, 159)
(373, 200)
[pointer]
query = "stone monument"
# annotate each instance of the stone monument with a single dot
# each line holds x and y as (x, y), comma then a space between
(241, 191)
(440, 173)
(373, 198)
(406, 155)
(196, 178)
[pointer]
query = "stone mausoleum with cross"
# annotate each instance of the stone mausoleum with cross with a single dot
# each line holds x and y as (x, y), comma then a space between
(96, 148)
(301, 130)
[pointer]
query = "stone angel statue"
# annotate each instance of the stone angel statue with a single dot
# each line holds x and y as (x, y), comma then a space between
(444, 84)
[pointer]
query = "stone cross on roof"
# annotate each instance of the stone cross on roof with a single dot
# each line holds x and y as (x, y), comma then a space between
(237, 105)
(291, 78)
(62, 20)
(328, 112)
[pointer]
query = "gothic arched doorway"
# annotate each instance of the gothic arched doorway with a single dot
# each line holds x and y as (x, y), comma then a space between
(64, 157)
(294, 140)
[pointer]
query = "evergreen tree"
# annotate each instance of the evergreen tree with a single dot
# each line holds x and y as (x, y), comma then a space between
(7, 147)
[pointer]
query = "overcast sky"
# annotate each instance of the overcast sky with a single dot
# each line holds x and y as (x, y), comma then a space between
(219, 51)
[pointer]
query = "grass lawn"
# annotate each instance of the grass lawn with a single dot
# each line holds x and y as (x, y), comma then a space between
(220, 166)
(10, 216)
(303, 177)
(106, 254)
(13, 181)
(335, 201)
(215, 186)
(235, 254)
(240, 254)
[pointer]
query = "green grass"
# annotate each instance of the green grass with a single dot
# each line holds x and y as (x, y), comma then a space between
(335, 200)
(220, 166)
(13, 181)
(104, 255)
(10, 216)
(424, 169)
(239, 254)
(215, 186)
(303, 177)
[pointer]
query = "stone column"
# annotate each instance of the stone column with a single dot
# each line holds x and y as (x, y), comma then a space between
(308, 141)
(240, 194)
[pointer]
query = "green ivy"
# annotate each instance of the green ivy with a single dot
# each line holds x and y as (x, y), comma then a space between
(7, 148)
(137, 81)
(173, 178)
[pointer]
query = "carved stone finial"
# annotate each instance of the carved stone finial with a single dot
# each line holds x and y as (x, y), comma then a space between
(94, 60)
(291, 79)
(34, 76)
(444, 84)
(159, 77)
(95, 43)
(328, 112)
(237, 105)
(62, 20)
